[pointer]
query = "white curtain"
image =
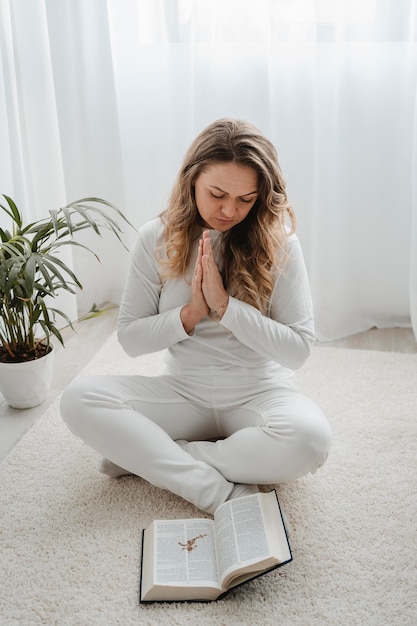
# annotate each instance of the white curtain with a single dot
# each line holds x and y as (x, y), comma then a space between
(103, 97)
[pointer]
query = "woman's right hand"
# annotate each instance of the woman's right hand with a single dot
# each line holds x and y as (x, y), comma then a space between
(197, 308)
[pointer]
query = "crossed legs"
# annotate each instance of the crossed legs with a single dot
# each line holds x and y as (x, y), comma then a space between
(135, 422)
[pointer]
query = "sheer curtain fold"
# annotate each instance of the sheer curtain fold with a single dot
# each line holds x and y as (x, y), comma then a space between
(82, 68)
(29, 117)
(413, 248)
(110, 95)
(31, 171)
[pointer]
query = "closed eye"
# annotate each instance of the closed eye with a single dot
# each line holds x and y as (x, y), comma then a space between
(246, 201)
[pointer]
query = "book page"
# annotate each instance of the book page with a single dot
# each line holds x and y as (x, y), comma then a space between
(240, 533)
(185, 552)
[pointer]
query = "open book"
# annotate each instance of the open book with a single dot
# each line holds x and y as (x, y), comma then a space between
(202, 559)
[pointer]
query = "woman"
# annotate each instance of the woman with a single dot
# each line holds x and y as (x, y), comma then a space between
(219, 280)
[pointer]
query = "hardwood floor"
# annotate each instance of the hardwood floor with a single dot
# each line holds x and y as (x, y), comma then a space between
(90, 335)
(386, 339)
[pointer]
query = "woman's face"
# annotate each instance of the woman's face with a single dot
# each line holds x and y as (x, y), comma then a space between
(225, 193)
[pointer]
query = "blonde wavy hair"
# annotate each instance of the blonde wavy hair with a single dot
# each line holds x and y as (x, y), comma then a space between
(253, 250)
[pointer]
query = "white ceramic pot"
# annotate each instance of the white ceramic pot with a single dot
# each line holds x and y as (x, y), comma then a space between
(25, 385)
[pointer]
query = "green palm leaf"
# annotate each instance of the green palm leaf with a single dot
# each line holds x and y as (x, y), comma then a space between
(31, 270)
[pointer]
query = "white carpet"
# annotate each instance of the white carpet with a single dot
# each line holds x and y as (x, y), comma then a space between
(70, 537)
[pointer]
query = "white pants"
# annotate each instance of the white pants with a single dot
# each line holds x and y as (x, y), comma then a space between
(238, 432)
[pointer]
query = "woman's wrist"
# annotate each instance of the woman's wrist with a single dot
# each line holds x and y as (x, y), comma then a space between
(190, 318)
(221, 310)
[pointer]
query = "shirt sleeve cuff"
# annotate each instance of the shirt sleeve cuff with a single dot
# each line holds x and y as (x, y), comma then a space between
(179, 328)
(230, 312)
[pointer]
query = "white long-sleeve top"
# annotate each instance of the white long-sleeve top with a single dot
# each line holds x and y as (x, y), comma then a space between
(267, 345)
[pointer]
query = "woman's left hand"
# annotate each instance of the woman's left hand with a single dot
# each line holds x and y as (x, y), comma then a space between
(212, 284)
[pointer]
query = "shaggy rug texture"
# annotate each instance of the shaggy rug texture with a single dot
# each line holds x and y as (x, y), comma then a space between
(70, 537)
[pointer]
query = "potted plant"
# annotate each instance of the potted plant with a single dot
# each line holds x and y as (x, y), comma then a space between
(31, 275)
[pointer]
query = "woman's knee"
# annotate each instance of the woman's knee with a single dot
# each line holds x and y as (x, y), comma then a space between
(72, 404)
(317, 444)
(68, 404)
(304, 443)
(313, 433)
